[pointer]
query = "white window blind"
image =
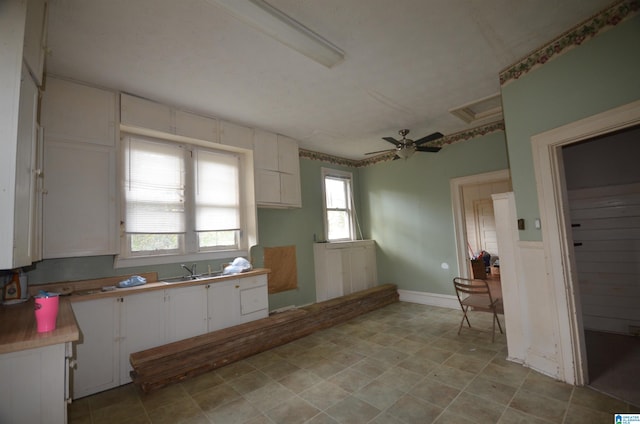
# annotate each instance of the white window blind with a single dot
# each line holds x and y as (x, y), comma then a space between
(154, 187)
(217, 196)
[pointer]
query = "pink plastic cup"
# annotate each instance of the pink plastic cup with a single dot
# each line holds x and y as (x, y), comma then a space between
(46, 313)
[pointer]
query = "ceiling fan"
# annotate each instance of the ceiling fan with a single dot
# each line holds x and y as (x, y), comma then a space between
(406, 147)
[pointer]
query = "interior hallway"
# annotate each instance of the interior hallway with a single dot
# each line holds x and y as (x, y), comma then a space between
(401, 364)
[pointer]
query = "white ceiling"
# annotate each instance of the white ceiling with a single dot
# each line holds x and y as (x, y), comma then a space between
(407, 62)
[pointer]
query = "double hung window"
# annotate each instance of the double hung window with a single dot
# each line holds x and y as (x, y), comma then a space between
(338, 205)
(179, 199)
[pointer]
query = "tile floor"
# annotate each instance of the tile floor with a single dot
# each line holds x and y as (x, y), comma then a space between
(402, 364)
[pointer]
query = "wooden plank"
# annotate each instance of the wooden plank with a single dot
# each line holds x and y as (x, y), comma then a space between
(167, 364)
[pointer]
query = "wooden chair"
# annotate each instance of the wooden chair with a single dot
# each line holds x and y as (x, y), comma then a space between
(474, 293)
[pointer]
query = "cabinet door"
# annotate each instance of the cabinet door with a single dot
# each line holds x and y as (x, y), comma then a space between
(254, 298)
(335, 274)
(223, 304)
(196, 126)
(358, 273)
(187, 312)
(361, 264)
(79, 213)
(77, 112)
(12, 20)
(143, 113)
(236, 135)
(267, 186)
(25, 190)
(33, 386)
(288, 156)
(265, 150)
(142, 326)
(97, 353)
(34, 38)
(290, 189)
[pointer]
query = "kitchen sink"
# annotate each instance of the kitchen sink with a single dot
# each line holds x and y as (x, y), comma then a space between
(186, 278)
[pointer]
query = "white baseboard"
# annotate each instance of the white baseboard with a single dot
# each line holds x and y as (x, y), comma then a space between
(431, 299)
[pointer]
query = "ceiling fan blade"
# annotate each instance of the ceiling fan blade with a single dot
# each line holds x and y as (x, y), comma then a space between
(392, 141)
(436, 135)
(427, 149)
(379, 151)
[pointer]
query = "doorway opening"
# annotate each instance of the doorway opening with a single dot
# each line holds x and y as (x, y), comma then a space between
(603, 200)
(559, 201)
(474, 222)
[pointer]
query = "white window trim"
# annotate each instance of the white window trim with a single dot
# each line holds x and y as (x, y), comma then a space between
(249, 218)
(329, 172)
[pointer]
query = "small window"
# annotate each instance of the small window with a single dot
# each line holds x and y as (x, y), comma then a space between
(338, 205)
(179, 199)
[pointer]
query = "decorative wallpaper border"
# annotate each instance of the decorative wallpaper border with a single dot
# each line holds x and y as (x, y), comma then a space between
(324, 157)
(448, 139)
(584, 31)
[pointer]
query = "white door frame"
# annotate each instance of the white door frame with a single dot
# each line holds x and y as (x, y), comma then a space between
(556, 236)
(457, 201)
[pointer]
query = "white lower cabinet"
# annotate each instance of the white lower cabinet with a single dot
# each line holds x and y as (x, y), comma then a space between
(222, 304)
(187, 312)
(234, 302)
(113, 328)
(253, 298)
(34, 385)
(96, 353)
(344, 268)
(142, 326)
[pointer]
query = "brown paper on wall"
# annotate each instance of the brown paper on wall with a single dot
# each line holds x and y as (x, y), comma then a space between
(284, 271)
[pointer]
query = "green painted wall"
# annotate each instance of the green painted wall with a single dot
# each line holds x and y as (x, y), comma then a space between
(297, 226)
(408, 210)
(600, 75)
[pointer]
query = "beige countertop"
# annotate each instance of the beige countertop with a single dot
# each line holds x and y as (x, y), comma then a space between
(95, 292)
(18, 322)
(18, 329)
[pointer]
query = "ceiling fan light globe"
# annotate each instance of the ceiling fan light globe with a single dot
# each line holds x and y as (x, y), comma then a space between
(405, 152)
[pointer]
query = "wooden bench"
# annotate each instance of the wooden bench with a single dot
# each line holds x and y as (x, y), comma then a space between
(163, 365)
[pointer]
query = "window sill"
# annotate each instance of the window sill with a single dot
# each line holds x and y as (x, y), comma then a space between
(122, 262)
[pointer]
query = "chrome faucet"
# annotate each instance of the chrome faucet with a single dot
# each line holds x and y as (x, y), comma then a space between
(191, 271)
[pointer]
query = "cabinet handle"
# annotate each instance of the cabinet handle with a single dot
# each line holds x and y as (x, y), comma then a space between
(73, 364)
(69, 401)
(237, 286)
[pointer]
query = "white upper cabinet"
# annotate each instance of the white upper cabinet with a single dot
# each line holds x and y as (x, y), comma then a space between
(196, 126)
(288, 155)
(18, 129)
(26, 173)
(277, 167)
(265, 150)
(79, 201)
(79, 113)
(236, 135)
(136, 112)
(35, 37)
(143, 113)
